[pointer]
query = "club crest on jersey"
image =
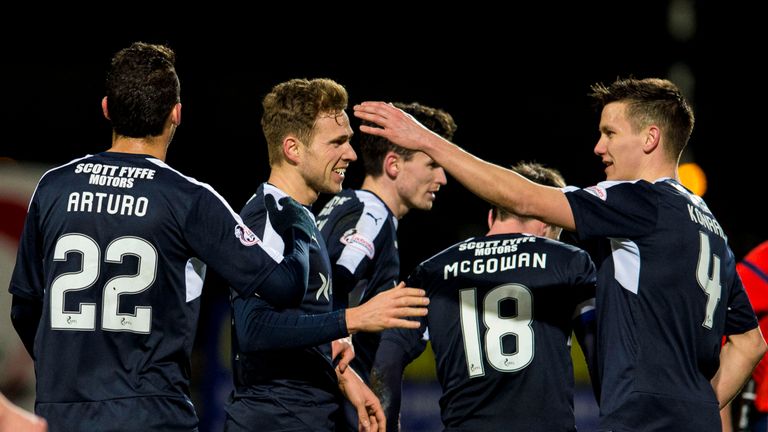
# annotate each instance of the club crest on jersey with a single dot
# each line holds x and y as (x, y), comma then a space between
(245, 235)
(598, 191)
(352, 238)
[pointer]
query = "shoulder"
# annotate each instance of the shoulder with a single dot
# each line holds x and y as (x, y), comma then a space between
(449, 254)
(611, 190)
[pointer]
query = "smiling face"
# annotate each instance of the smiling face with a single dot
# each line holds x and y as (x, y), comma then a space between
(620, 147)
(418, 181)
(329, 153)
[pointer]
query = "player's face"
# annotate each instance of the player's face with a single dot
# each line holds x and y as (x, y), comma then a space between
(619, 146)
(329, 154)
(419, 180)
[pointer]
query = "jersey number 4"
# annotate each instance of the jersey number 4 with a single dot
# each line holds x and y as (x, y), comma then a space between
(711, 286)
(518, 326)
(140, 321)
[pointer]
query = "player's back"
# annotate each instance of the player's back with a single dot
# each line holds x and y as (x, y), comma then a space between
(500, 320)
(122, 293)
(667, 286)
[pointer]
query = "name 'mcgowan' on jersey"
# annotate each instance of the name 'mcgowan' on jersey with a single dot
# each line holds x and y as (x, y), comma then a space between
(506, 259)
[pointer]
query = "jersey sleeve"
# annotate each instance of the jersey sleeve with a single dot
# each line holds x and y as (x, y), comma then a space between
(260, 326)
(221, 239)
(351, 246)
(614, 209)
(397, 349)
(28, 280)
(740, 317)
(583, 280)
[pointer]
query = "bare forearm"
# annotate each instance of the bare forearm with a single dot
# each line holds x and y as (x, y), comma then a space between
(501, 186)
(738, 357)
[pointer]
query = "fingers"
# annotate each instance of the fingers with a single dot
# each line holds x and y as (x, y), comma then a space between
(403, 324)
(369, 129)
(374, 422)
(362, 418)
(270, 203)
(346, 357)
(376, 112)
(381, 419)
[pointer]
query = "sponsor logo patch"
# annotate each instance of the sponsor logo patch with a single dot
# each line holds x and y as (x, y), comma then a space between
(352, 238)
(598, 192)
(245, 235)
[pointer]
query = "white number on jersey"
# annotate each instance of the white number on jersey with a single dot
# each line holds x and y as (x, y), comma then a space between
(711, 286)
(518, 326)
(85, 318)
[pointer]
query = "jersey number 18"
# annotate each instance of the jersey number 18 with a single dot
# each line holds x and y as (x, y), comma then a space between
(518, 326)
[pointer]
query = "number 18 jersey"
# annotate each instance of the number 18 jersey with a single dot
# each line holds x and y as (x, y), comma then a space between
(500, 320)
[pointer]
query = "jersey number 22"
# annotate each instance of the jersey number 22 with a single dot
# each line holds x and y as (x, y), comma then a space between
(140, 321)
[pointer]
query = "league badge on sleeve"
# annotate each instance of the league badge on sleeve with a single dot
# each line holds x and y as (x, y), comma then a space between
(245, 235)
(352, 238)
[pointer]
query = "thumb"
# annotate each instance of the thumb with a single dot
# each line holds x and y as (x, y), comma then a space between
(343, 363)
(270, 203)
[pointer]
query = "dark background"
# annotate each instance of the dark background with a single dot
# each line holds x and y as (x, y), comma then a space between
(516, 84)
(514, 76)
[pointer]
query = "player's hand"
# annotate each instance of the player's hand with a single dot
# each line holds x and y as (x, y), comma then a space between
(344, 351)
(394, 124)
(292, 215)
(388, 310)
(13, 418)
(370, 414)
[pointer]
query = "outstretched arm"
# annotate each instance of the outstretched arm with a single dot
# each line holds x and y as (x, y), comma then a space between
(261, 326)
(738, 357)
(495, 184)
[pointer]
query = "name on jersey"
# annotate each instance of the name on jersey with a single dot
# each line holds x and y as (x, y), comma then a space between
(495, 247)
(113, 175)
(706, 221)
(100, 202)
(493, 265)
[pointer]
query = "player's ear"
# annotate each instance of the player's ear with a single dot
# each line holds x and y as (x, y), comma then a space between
(104, 108)
(392, 164)
(292, 149)
(652, 139)
(176, 114)
(491, 217)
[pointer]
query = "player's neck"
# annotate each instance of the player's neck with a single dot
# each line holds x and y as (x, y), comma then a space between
(291, 182)
(387, 191)
(655, 171)
(153, 146)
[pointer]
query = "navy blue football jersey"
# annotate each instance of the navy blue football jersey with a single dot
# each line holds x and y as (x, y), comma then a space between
(361, 234)
(667, 293)
(114, 246)
(501, 314)
(302, 379)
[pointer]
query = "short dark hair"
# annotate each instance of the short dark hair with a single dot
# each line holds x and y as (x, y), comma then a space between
(292, 107)
(536, 173)
(142, 88)
(373, 148)
(651, 101)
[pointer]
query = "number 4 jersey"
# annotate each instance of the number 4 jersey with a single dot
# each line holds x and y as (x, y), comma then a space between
(667, 293)
(501, 314)
(110, 248)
